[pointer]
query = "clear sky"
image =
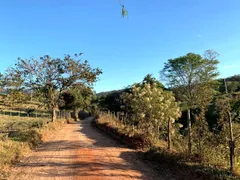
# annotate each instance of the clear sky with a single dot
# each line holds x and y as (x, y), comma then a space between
(126, 49)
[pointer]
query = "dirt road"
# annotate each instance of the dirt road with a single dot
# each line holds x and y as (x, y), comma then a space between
(79, 151)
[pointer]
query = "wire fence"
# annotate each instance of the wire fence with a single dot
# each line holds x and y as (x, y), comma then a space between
(37, 114)
(120, 116)
(64, 114)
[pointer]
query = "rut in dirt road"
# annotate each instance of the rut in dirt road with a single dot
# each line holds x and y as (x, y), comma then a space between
(79, 151)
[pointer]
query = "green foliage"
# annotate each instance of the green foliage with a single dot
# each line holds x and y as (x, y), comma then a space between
(78, 97)
(211, 163)
(225, 104)
(95, 111)
(188, 75)
(13, 79)
(111, 100)
(233, 84)
(31, 137)
(181, 165)
(2, 82)
(21, 123)
(14, 97)
(127, 133)
(191, 78)
(151, 108)
(53, 76)
(13, 85)
(148, 79)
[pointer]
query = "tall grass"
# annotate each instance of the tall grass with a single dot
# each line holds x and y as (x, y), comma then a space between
(211, 162)
(21, 134)
(8, 123)
(10, 153)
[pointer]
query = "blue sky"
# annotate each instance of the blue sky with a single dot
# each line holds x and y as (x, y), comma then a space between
(126, 49)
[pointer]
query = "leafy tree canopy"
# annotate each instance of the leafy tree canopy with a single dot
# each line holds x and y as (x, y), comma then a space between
(189, 74)
(52, 76)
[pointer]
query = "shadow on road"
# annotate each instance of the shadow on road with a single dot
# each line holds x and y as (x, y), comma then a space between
(91, 155)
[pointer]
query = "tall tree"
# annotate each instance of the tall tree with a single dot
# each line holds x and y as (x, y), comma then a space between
(188, 75)
(77, 98)
(52, 76)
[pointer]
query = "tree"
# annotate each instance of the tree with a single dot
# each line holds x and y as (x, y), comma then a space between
(148, 79)
(188, 75)
(53, 76)
(111, 100)
(77, 98)
(13, 83)
(152, 108)
(2, 82)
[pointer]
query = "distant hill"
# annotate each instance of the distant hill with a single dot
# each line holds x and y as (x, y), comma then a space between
(111, 92)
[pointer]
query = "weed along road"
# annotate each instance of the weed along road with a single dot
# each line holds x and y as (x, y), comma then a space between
(79, 151)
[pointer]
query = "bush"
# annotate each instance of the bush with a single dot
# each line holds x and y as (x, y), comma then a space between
(32, 137)
(10, 152)
(95, 112)
(114, 128)
(182, 165)
(151, 108)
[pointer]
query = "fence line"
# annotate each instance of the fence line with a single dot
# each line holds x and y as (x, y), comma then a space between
(37, 114)
(120, 115)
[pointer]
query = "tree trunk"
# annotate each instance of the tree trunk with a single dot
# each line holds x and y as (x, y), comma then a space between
(54, 115)
(75, 115)
(169, 135)
(231, 143)
(189, 131)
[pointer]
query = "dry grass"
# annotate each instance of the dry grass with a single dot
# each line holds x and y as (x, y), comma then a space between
(28, 133)
(27, 104)
(215, 165)
(20, 123)
(10, 153)
(123, 128)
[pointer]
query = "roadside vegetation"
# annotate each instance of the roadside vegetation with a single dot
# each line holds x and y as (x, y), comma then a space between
(192, 123)
(20, 135)
(33, 103)
(189, 121)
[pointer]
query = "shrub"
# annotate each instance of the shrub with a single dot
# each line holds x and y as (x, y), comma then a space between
(32, 137)
(151, 109)
(10, 152)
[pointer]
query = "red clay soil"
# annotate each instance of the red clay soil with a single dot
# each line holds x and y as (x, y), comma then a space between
(79, 151)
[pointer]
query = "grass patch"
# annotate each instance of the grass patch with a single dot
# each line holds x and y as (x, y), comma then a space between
(123, 133)
(9, 123)
(20, 136)
(186, 167)
(10, 153)
(179, 162)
